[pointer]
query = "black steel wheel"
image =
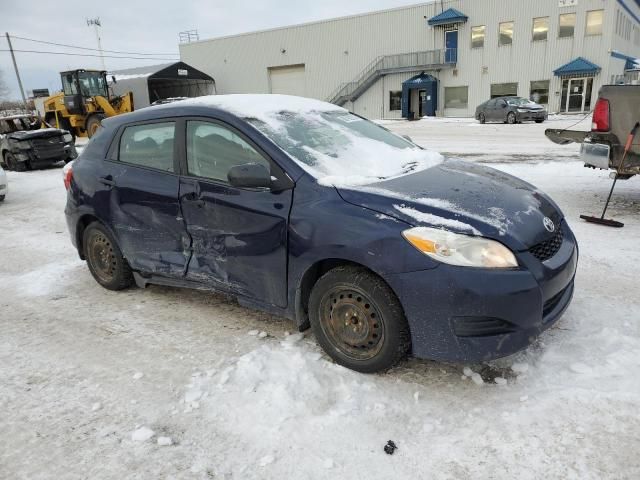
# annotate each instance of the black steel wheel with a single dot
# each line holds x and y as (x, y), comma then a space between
(482, 118)
(358, 320)
(104, 258)
(511, 118)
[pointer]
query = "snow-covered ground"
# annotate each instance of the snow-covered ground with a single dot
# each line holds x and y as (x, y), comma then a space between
(179, 384)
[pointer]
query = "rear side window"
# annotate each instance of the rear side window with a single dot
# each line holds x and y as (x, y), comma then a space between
(213, 149)
(148, 145)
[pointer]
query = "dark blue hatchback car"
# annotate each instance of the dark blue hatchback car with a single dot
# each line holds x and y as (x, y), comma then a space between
(302, 209)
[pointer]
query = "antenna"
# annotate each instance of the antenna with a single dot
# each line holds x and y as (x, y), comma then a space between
(96, 23)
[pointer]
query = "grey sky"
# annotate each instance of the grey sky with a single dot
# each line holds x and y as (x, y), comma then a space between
(145, 26)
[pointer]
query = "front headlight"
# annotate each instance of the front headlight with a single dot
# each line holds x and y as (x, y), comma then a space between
(461, 250)
(67, 137)
(522, 110)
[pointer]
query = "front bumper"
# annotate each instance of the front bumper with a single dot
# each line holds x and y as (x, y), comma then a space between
(461, 314)
(44, 157)
(531, 116)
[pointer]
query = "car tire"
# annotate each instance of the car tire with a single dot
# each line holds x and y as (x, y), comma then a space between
(2, 198)
(375, 335)
(511, 118)
(12, 164)
(104, 258)
(93, 123)
(539, 121)
(482, 118)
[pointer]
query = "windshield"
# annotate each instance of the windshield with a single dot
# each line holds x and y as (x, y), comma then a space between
(339, 148)
(518, 101)
(92, 84)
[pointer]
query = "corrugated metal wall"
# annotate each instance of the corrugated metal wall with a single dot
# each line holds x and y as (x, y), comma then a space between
(335, 51)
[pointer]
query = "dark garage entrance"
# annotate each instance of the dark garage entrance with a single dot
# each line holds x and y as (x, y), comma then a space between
(420, 96)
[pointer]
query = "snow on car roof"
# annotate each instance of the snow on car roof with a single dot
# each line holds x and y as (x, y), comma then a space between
(261, 105)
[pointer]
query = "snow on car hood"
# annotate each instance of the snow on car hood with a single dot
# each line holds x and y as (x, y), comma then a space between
(39, 133)
(465, 198)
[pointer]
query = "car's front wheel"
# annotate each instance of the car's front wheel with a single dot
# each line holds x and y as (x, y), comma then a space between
(358, 320)
(539, 120)
(511, 118)
(104, 258)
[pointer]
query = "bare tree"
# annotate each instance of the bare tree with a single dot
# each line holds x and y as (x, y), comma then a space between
(4, 89)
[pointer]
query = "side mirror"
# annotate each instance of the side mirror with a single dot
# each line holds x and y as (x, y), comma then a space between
(249, 175)
(113, 79)
(407, 138)
(504, 105)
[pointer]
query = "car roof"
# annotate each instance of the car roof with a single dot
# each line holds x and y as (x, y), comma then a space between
(239, 105)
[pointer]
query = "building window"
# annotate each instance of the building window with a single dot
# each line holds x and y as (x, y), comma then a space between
(567, 25)
(540, 28)
(456, 97)
(477, 36)
(503, 89)
(395, 101)
(506, 33)
(594, 22)
(539, 92)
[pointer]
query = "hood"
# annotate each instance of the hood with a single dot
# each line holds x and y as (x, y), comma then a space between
(466, 198)
(40, 133)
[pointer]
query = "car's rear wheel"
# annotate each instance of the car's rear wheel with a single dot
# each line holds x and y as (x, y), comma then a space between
(511, 118)
(104, 258)
(2, 198)
(482, 118)
(539, 120)
(358, 320)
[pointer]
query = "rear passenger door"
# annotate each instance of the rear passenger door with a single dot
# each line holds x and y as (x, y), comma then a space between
(141, 181)
(239, 236)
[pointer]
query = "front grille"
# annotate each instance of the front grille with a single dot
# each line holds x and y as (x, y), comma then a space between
(481, 326)
(547, 249)
(48, 147)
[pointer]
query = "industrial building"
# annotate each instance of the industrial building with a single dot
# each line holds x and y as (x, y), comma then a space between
(436, 58)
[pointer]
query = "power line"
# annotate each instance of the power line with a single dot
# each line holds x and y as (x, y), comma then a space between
(87, 48)
(87, 55)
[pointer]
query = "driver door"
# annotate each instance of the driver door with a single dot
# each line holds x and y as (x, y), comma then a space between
(238, 236)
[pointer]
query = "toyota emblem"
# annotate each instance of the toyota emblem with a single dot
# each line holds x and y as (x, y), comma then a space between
(548, 224)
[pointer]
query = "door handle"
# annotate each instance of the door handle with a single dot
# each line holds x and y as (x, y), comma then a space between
(108, 180)
(194, 198)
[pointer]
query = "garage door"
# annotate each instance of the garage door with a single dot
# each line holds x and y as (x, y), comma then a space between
(289, 80)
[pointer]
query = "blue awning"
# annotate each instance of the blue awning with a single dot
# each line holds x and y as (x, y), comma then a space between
(418, 80)
(448, 17)
(579, 66)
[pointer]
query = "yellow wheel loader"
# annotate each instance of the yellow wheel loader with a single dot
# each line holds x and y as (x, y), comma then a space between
(84, 102)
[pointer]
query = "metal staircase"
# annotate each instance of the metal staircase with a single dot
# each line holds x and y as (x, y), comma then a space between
(386, 64)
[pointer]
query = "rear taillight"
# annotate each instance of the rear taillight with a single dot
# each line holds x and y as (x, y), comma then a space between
(601, 116)
(67, 175)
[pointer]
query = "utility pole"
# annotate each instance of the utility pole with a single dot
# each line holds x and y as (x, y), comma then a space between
(15, 66)
(96, 23)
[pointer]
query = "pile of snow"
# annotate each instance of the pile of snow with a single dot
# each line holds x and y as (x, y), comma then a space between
(332, 151)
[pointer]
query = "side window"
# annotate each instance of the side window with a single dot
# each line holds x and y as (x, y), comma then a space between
(148, 145)
(491, 103)
(213, 149)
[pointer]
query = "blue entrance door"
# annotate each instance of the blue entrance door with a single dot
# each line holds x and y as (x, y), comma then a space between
(451, 46)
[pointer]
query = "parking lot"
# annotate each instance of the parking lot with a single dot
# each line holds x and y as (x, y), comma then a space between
(242, 395)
